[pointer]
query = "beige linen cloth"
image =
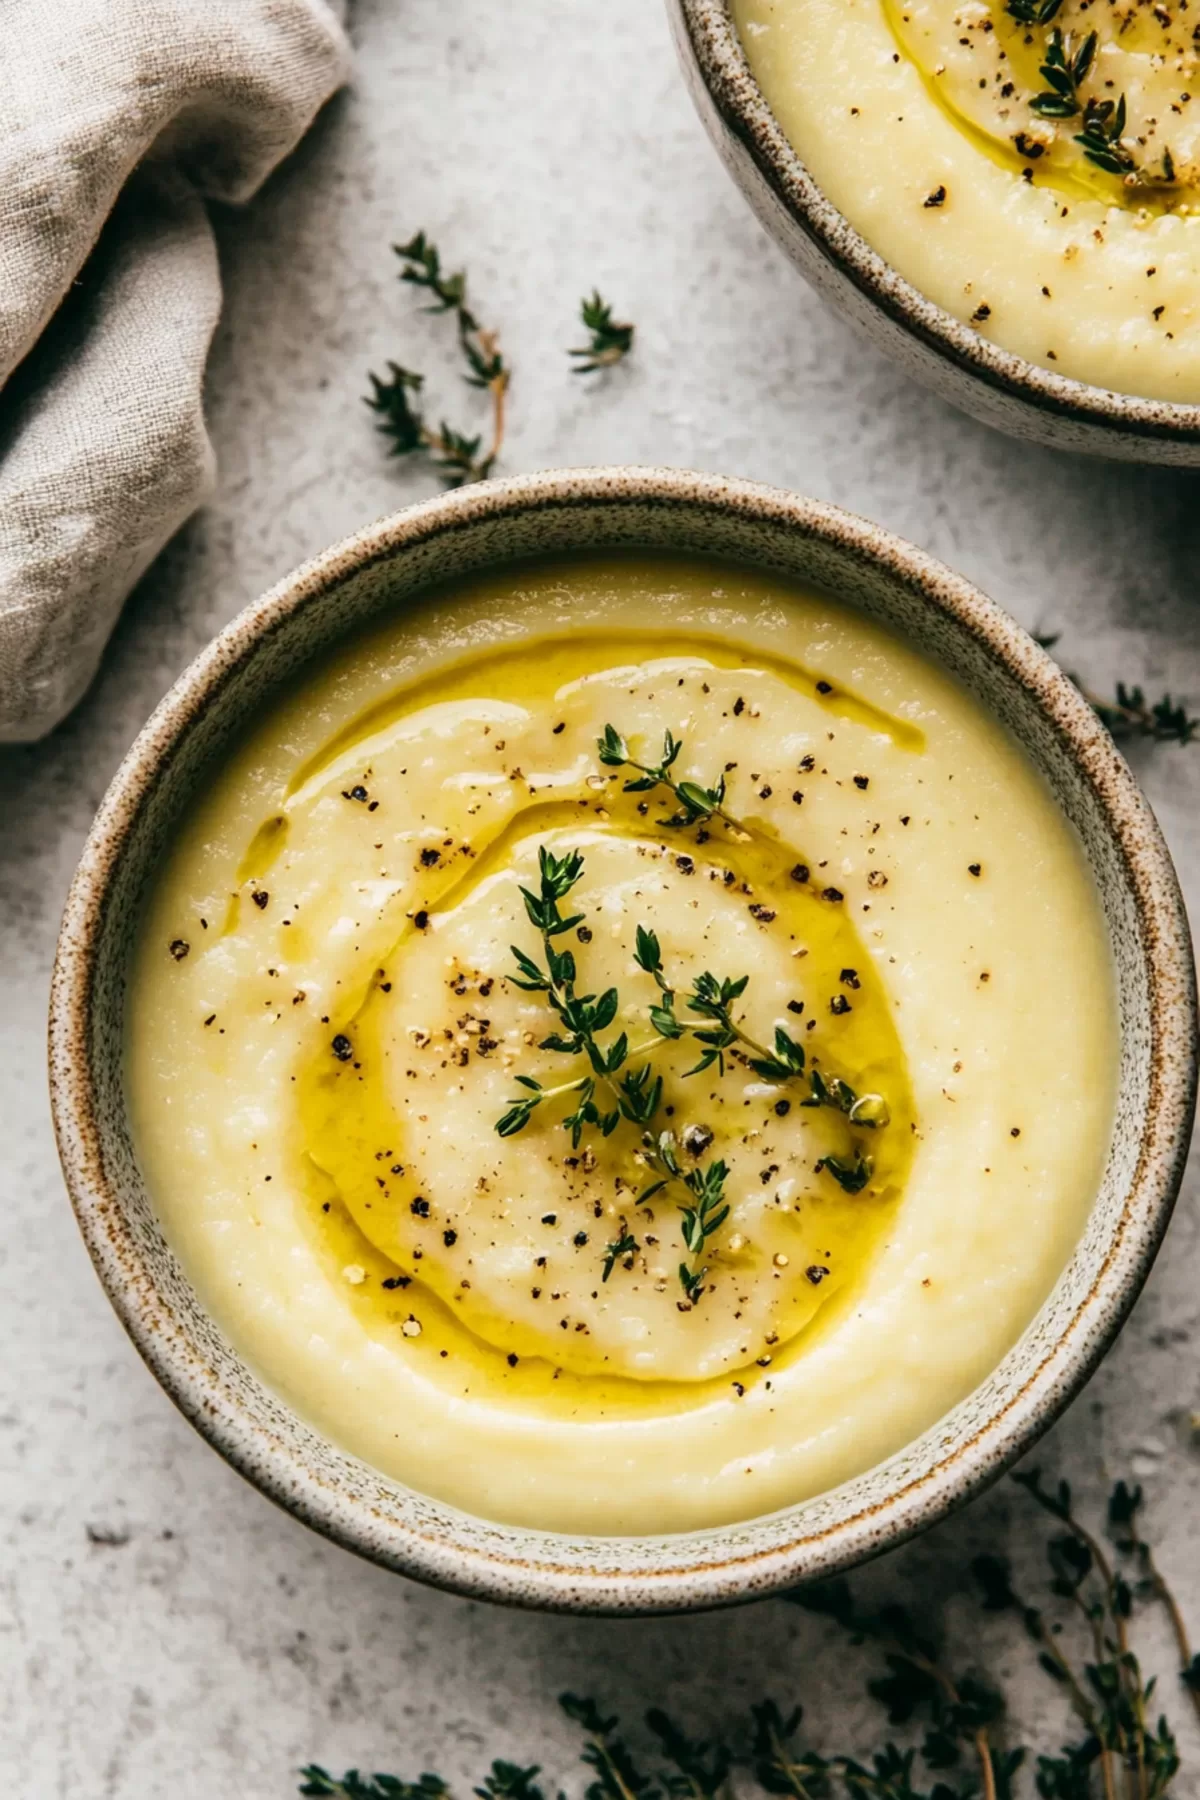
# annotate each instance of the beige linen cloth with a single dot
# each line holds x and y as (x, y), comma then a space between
(118, 118)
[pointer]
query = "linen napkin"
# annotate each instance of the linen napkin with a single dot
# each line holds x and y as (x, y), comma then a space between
(118, 118)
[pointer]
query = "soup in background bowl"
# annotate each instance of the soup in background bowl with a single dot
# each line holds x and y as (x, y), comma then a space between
(1002, 196)
(623, 1039)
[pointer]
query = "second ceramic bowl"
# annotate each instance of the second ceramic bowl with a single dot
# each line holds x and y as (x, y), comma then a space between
(991, 384)
(378, 571)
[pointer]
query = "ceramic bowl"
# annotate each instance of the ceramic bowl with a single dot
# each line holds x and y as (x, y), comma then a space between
(378, 570)
(991, 384)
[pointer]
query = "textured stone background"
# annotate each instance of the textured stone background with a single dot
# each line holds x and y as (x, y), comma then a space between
(164, 1631)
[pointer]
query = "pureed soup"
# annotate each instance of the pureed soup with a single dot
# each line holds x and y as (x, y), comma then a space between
(1030, 166)
(625, 1046)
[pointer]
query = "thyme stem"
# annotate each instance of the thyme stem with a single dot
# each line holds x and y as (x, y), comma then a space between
(460, 458)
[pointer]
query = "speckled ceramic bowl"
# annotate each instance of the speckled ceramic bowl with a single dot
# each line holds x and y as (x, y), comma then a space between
(989, 383)
(376, 571)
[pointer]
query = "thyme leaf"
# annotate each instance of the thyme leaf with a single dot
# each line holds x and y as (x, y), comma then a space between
(851, 1176)
(1128, 714)
(1103, 129)
(622, 1250)
(712, 1000)
(1065, 67)
(610, 341)
(1033, 12)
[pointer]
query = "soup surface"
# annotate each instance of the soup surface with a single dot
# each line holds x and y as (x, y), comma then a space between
(624, 1046)
(1032, 167)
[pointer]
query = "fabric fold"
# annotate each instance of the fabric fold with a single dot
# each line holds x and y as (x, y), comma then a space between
(117, 121)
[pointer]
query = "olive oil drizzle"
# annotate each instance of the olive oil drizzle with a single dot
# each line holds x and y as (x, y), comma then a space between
(342, 1125)
(568, 660)
(394, 1281)
(563, 662)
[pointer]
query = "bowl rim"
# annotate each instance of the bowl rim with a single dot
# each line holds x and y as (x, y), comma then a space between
(743, 109)
(483, 1565)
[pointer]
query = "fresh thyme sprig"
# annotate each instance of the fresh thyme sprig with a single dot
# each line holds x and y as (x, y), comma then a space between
(456, 456)
(712, 1000)
(960, 1709)
(698, 1769)
(480, 347)
(1128, 714)
(959, 1716)
(582, 1015)
(353, 1786)
(703, 1217)
(1065, 66)
(611, 341)
(1124, 1506)
(617, 1776)
(459, 457)
(696, 804)
(1103, 129)
(637, 1092)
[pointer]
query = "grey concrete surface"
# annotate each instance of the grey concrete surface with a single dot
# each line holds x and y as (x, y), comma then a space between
(163, 1631)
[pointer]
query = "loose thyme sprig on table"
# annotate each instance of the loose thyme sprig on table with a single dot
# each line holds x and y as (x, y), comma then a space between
(1129, 715)
(611, 341)
(959, 1716)
(459, 457)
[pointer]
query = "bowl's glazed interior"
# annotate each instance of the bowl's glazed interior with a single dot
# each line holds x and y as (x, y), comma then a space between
(378, 571)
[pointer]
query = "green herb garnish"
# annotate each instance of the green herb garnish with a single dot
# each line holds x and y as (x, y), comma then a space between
(1103, 129)
(459, 457)
(353, 1786)
(1033, 12)
(712, 1000)
(1128, 714)
(622, 1250)
(1065, 66)
(696, 804)
(635, 1093)
(610, 343)
(1125, 1748)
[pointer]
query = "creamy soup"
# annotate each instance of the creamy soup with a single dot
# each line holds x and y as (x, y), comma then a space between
(624, 1046)
(1032, 167)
